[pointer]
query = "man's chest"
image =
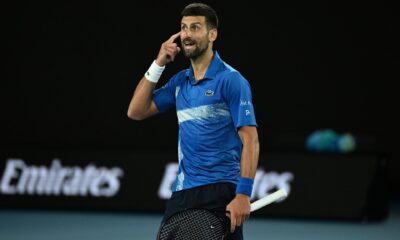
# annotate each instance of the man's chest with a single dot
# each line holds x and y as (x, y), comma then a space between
(201, 94)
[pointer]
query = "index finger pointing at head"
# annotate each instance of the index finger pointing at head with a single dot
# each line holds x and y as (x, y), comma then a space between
(173, 37)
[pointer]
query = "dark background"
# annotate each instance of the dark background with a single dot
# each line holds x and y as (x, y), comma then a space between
(71, 69)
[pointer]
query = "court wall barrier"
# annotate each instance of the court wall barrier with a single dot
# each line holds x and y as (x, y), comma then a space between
(335, 186)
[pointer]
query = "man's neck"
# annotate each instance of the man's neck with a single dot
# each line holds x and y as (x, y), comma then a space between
(200, 64)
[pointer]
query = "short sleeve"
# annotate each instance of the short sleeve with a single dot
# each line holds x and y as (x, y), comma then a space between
(164, 97)
(237, 94)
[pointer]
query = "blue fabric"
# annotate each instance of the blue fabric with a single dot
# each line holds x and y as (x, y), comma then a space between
(245, 186)
(209, 113)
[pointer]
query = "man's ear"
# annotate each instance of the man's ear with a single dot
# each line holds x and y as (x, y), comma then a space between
(212, 35)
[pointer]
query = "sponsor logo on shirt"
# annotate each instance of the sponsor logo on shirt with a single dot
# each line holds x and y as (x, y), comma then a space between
(209, 93)
(245, 103)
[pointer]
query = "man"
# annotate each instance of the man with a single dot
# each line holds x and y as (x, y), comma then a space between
(218, 143)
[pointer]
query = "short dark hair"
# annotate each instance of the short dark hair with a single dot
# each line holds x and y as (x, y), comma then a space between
(201, 9)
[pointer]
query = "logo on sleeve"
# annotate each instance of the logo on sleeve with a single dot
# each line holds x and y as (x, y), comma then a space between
(245, 103)
(247, 113)
(209, 93)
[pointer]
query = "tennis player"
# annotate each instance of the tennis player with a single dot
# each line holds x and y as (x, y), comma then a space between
(218, 143)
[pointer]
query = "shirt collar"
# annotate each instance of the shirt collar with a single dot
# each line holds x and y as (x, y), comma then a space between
(211, 70)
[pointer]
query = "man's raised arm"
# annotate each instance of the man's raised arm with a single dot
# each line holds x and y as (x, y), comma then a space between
(142, 105)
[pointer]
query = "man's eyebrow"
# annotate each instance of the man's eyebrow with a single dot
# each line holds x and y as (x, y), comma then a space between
(191, 23)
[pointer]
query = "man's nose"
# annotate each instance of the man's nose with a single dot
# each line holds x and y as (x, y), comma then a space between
(185, 33)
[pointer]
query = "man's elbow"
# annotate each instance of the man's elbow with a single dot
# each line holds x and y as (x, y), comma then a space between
(135, 115)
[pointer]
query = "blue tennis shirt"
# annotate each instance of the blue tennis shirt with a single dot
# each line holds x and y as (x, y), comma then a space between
(209, 113)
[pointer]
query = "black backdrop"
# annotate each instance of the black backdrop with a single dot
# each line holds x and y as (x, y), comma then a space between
(71, 70)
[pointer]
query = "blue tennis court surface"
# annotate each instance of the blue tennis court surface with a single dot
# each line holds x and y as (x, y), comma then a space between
(73, 225)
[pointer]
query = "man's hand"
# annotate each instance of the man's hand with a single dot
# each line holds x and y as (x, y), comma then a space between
(239, 210)
(168, 51)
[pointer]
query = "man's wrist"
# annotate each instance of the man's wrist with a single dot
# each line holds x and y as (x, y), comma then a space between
(241, 195)
(154, 72)
(245, 186)
(159, 63)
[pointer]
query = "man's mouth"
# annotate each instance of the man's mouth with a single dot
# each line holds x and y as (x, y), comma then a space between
(189, 44)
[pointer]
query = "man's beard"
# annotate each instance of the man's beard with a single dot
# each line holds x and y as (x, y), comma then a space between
(196, 52)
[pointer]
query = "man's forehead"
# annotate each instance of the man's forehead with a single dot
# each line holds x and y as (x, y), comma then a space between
(193, 19)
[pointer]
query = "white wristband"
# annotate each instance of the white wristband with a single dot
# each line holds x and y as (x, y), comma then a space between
(154, 72)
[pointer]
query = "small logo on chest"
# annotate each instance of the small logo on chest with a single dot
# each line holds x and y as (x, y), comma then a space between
(209, 93)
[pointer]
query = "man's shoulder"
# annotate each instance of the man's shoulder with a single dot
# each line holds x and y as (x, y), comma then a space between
(181, 74)
(229, 73)
(179, 77)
